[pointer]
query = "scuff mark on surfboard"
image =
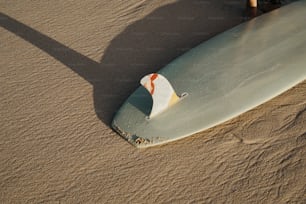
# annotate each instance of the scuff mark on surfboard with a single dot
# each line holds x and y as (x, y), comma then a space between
(132, 139)
(120, 131)
(140, 141)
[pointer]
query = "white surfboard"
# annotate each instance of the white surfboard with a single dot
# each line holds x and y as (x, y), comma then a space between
(221, 78)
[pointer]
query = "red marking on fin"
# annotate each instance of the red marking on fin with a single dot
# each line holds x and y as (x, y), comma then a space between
(153, 77)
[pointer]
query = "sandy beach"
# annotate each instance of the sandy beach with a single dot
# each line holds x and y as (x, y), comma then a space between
(67, 66)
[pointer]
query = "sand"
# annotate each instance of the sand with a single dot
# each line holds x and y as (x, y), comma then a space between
(67, 66)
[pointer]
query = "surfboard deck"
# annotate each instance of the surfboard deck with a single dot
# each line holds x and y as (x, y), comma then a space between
(224, 77)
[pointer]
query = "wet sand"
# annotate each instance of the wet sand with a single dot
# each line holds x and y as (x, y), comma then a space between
(66, 67)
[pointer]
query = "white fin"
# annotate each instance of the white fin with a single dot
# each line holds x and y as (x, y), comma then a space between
(161, 91)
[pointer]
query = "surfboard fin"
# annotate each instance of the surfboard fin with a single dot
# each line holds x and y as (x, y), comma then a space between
(162, 92)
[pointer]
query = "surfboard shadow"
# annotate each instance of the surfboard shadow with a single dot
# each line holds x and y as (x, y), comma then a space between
(143, 47)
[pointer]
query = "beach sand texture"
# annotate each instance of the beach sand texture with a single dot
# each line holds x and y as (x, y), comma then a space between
(67, 66)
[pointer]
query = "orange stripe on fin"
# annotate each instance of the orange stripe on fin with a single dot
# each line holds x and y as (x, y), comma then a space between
(153, 77)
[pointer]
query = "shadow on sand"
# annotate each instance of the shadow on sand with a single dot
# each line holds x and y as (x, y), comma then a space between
(143, 47)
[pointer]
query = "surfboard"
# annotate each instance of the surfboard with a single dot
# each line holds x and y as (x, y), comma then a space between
(222, 78)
